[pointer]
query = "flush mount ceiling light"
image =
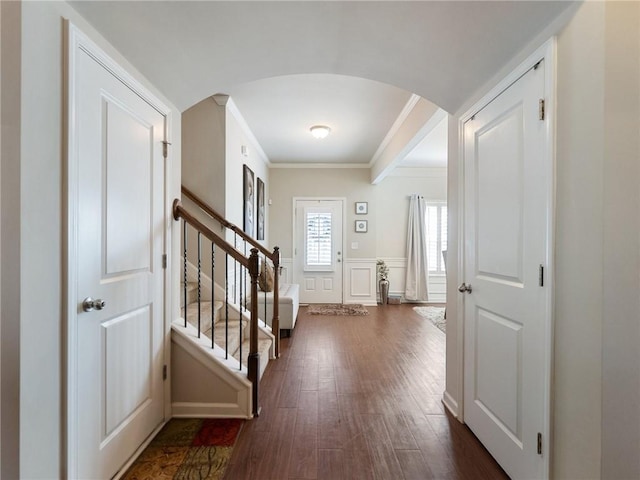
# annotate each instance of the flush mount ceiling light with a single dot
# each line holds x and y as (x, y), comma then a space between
(320, 131)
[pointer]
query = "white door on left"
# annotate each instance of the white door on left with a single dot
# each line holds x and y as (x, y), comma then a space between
(116, 186)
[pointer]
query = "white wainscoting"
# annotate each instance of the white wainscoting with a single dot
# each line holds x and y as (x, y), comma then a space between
(361, 283)
(397, 276)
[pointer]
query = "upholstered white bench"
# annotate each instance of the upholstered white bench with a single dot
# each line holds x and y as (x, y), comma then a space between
(289, 303)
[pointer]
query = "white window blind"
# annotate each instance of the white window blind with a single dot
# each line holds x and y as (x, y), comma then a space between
(318, 243)
(436, 236)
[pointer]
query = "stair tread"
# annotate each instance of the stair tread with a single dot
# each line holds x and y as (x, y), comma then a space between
(264, 345)
(229, 341)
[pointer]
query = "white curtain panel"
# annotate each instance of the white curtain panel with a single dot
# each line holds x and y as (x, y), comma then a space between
(416, 284)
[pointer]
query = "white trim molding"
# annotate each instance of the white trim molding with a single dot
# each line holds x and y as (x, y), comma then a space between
(232, 108)
(318, 165)
(360, 284)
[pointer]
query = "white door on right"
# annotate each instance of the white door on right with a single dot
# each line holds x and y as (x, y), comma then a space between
(506, 239)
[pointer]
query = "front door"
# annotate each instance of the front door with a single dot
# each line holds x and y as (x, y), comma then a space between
(317, 260)
(116, 189)
(506, 240)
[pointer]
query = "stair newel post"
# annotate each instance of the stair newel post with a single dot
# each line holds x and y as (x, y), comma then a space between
(176, 217)
(253, 365)
(275, 322)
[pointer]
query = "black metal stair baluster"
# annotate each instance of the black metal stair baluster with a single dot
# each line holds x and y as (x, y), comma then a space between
(226, 306)
(199, 281)
(240, 310)
(184, 273)
(236, 274)
(213, 294)
(244, 277)
(239, 284)
(264, 319)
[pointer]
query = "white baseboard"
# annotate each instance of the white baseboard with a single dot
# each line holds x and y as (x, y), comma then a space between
(207, 410)
(450, 404)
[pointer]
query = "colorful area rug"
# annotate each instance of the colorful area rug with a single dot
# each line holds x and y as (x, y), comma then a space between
(337, 309)
(435, 315)
(188, 448)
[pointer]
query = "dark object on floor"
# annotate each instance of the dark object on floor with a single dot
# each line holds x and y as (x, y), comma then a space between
(337, 309)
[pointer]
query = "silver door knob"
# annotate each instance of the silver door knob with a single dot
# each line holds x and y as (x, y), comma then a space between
(89, 304)
(464, 288)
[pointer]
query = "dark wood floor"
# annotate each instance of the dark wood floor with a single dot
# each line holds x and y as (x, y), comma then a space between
(359, 398)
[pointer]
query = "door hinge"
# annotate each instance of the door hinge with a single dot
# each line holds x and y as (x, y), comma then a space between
(164, 372)
(164, 260)
(539, 444)
(541, 275)
(165, 149)
(541, 111)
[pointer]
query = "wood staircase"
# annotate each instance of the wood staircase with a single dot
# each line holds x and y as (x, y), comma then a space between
(220, 348)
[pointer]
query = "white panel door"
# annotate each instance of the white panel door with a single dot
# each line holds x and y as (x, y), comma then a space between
(318, 266)
(120, 228)
(505, 215)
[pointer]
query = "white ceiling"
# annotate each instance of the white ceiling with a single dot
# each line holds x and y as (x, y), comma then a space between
(280, 111)
(267, 56)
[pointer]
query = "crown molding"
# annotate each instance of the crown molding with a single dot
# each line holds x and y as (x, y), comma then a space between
(319, 165)
(233, 109)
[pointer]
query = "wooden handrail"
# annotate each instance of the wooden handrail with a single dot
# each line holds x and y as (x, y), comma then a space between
(180, 212)
(224, 222)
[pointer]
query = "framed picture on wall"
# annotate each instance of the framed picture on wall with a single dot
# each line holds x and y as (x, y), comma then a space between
(261, 210)
(361, 226)
(362, 208)
(248, 196)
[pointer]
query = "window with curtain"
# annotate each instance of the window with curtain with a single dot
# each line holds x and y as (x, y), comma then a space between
(436, 236)
(318, 242)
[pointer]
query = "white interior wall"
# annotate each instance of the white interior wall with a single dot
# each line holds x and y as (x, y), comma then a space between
(203, 151)
(577, 386)
(621, 244)
(236, 137)
(40, 238)
(392, 211)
